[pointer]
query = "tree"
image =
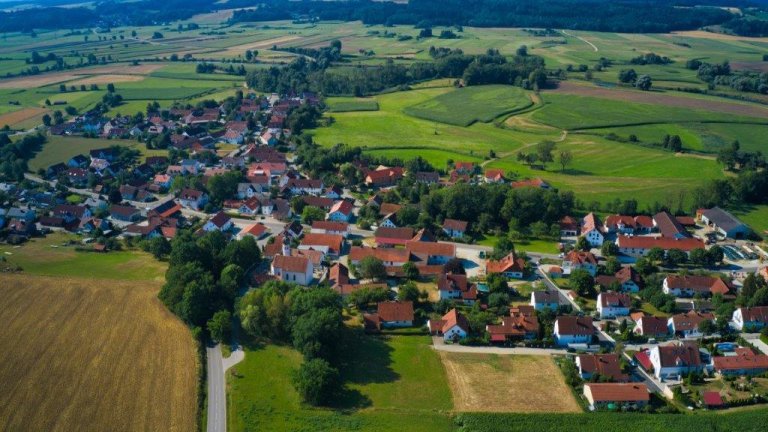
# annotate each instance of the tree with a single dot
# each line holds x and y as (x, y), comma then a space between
(644, 82)
(372, 268)
(581, 281)
(316, 381)
(455, 266)
(676, 257)
(609, 249)
(497, 283)
(411, 271)
(699, 257)
(656, 254)
(544, 151)
(707, 327)
(111, 88)
(311, 213)
(157, 35)
(408, 292)
(582, 244)
(159, 247)
(760, 298)
(564, 158)
(715, 255)
(219, 326)
(644, 266)
(612, 265)
(115, 197)
(47, 120)
(627, 76)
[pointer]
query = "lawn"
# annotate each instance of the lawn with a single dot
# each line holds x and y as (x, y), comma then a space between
(346, 104)
(468, 105)
(392, 384)
(50, 257)
(93, 355)
(62, 148)
(490, 382)
(754, 216)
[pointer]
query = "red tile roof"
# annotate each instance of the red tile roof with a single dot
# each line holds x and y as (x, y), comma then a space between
(606, 365)
(683, 353)
(690, 320)
(403, 234)
(396, 311)
(589, 223)
(294, 264)
(668, 225)
(653, 326)
(712, 399)
(744, 359)
(534, 183)
(581, 258)
(614, 299)
(455, 225)
(431, 249)
(343, 206)
(330, 225)
(334, 242)
(703, 284)
(357, 253)
(618, 392)
(754, 314)
(507, 264)
(666, 243)
(256, 230)
(572, 325)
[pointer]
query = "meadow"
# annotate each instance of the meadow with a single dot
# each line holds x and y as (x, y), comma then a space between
(62, 148)
(93, 355)
(468, 105)
(391, 384)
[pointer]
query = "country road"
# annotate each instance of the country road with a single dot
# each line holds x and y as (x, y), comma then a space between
(217, 384)
(581, 39)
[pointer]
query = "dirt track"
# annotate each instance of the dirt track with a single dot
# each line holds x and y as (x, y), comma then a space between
(651, 97)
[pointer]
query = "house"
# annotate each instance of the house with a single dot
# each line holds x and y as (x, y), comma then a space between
(669, 226)
(330, 227)
(456, 286)
(530, 183)
(389, 256)
(569, 227)
(427, 177)
(611, 395)
(293, 230)
(676, 360)
(639, 246)
(77, 176)
(620, 224)
(452, 326)
(338, 275)
(296, 269)
(612, 304)
(329, 244)
(644, 224)
(464, 167)
(454, 228)
(124, 213)
(494, 176)
(580, 260)
(744, 362)
(191, 166)
(194, 199)
(322, 203)
(257, 231)
(687, 324)
(389, 221)
(78, 161)
(604, 365)
(163, 180)
(20, 226)
(750, 319)
(299, 186)
(248, 190)
(384, 176)
(388, 237)
(521, 323)
(651, 327)
(341, 211)
(510, 266)
(249, 207)
(541, 300)
(431, 253)
(390, 314)
(29, 215)
(625, 280)
(690, 285)
(592, 230)
(724, 223)
(219, 222)
(573, 330)
(424, 235)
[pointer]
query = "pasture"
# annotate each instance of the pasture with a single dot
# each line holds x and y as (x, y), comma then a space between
(468, 105)
(391, 384)
(346, 104)
(62, 148)
(93, 355)
(489, 382)
(55, 255)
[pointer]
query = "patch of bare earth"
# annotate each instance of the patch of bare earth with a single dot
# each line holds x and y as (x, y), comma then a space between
(508, 383)
(650, 97)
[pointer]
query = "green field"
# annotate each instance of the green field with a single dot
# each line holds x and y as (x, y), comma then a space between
(346, 104)
(471, 104)
(62, 148)
(49, 256)
(392, 385)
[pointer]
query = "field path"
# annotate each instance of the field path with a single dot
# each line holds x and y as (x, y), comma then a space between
(217, 393)
(581, 39)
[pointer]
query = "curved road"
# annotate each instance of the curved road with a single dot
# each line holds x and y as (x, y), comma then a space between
(581, 39)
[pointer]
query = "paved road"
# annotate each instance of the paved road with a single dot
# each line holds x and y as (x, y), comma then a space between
(551, 286)
(440, 345)
(217, 397)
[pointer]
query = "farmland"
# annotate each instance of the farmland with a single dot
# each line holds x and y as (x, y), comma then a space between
(61, 149)
(84, 354)
(468, 105)
(392, 384)
(488, 382)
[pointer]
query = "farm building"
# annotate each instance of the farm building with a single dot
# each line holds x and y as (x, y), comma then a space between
(724, 223)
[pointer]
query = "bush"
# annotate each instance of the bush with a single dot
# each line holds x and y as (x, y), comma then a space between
(316, 381)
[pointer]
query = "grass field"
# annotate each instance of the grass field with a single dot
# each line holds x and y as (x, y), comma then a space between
(62, 148)
(50, 257)
(392, 385)
(346, 104)
(93, 355)
(465, 106)
(489, 382)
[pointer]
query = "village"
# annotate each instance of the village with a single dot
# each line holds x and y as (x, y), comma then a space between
(648, 310)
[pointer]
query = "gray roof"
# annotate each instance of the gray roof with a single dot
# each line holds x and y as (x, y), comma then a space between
(722, 219)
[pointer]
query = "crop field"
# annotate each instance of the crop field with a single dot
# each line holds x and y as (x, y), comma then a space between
(53, 255)
(392, 384)
(22, 115)
(468, 105)
(489, 382)
(93, 355)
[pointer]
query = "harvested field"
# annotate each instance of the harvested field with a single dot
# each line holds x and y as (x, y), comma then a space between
(716, 36)
(750, 66)
(21, 115)
(636, 96)
(36, 80)
(267, 43)
(91, 355)
(106, 79)
(58, 77)
(492, 383)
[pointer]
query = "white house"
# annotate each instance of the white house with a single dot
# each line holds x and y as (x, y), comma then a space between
(690, 285)
(625, 395)
(751, 319)
(341, 211)
(453, 326)
(296, 269)
(541, 300)
(591, 229)
(573, 330)
(612, 304)
(580, 260)
(675, 360)
(220, 222)
(194, 199)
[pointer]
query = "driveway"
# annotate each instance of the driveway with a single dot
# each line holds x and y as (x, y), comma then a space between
(217, 397)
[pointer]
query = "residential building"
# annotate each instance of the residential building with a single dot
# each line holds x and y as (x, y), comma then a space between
(669, 226)
(390, 314)
(638, 246)
(580, 260)
(573, 330)
(124, 213)
(750, 319)
(624, 395)
(456, 286)
(341, 211)
(389, 256)
(652, 327)
(592, 230)
(219, 222)
(690, 285)
(330, 227)
(743, 362)
(687, 324)
(296, 269)
(494, 176)
(625, 280)
(521, 323)
(257, 231)
(388, 237)
(604, 365)
(329, 244)
(676, 360)
(454, 228)
(569, 227)
(431, 253)
(541, 300)
(509, 266)
(452, 327)
(193, 199)
(612, 304)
